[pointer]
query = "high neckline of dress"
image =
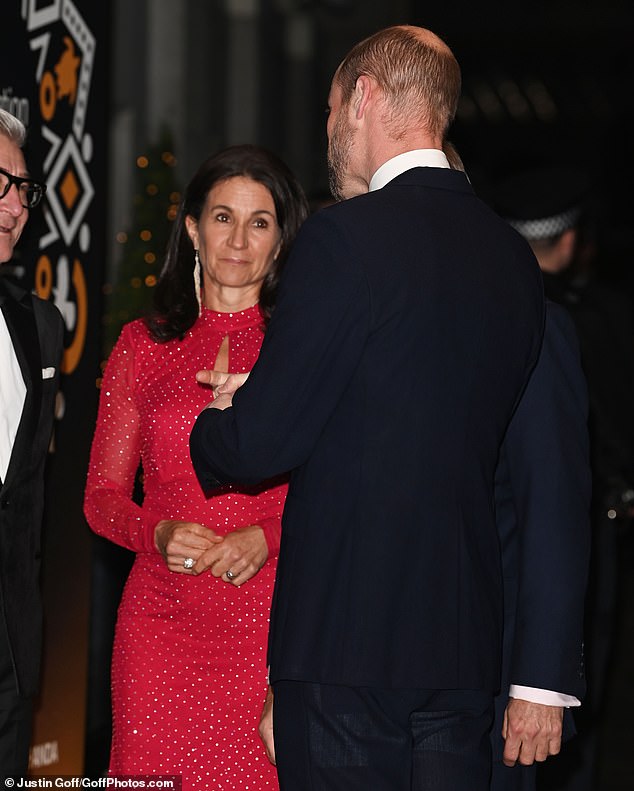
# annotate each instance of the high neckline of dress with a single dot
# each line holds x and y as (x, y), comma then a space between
(232, 321)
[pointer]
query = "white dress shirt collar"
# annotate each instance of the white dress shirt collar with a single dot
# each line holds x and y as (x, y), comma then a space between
(12, 396)
(420, 158)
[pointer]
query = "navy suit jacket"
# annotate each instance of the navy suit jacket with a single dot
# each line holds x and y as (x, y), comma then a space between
(408, 321)
(36, 330)
(543, 491)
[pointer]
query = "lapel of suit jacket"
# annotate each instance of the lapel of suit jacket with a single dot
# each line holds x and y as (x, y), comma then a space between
(18, 314)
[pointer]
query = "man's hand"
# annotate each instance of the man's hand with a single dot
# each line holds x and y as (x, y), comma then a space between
(531, 731)
(265, 727)
(223, 385)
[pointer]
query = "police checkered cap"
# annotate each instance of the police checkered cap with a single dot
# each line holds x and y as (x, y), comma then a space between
(543, 202)
(546, 227)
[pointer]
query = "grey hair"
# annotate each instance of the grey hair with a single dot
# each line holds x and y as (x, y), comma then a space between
(13, 128)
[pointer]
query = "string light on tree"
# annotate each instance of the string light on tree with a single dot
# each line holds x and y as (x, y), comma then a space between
(142, 246)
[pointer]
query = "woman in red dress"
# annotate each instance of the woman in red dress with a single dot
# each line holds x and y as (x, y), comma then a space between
(189, 664)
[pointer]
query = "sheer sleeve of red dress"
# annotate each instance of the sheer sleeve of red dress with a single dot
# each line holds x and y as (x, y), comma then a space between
(115, 457)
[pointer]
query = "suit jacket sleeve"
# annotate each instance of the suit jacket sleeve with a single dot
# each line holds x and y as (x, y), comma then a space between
(305, 364)
(543, 498)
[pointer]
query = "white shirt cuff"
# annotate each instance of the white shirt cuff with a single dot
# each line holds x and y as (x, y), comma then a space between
(544, 696)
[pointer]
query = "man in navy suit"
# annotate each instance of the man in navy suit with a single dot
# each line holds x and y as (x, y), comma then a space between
(550, 206)
(31, 332)
(542, 495)
(408, 321)
(543, 488)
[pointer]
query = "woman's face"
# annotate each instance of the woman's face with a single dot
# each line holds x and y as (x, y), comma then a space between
(237, 238)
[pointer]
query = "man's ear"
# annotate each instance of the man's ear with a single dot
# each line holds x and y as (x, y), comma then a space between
(363, 94)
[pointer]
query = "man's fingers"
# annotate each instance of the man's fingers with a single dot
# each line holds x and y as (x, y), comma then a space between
(213, 378)
(223, 385)
(519, 750)
(231, 384)
(220, 378)
(554, 746)
(542, 751)
(532, 732)
(511, 751)
(221, 401)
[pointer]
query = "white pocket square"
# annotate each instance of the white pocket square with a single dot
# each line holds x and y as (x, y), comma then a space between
(48, 373)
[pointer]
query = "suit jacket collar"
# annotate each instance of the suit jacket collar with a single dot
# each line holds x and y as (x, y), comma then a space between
(11, 291)
(435, 178)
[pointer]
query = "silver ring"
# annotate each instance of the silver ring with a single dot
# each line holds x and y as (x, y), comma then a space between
(230, 575)
(188, 563)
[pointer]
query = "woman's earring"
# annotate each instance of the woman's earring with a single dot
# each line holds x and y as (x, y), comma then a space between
(197, 284)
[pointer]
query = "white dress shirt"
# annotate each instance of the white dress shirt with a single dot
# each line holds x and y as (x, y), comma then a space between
(420, 158)
(12, 396)
(434, 158)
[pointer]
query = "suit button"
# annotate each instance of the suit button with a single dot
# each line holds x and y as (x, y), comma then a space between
(4, 504)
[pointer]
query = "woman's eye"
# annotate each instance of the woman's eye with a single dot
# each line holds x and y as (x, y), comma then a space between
(261, 223)
(222, 217)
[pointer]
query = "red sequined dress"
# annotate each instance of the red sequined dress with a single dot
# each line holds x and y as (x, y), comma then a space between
(189, 658)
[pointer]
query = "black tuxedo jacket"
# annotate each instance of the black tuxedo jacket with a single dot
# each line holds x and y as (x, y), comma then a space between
(407, 324)
(543, 491)
(36, 330)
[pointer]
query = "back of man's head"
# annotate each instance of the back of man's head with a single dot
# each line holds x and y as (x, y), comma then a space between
(417, 72)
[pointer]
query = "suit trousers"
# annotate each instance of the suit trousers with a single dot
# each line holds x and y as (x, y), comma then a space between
(16, 715)
(338, 738)
(513, 778)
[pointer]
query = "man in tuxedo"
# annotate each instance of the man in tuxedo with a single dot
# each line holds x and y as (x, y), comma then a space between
(408, 321)
(31, 333)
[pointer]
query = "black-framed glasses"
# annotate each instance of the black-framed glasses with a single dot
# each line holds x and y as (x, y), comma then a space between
(30, 191)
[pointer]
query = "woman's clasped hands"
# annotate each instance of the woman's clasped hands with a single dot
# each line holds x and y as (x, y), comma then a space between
(190, 548)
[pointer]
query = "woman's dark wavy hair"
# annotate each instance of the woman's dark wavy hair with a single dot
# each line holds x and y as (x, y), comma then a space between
(175, 304)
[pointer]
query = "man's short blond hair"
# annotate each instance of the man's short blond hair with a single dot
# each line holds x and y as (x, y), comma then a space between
(417, 73)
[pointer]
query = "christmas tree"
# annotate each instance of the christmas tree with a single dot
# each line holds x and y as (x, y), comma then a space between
(129, 293)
